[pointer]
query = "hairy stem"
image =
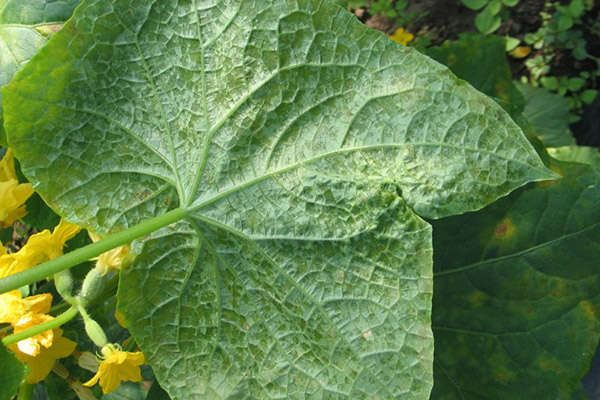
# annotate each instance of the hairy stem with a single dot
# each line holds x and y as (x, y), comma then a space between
(82, 254)
(43, 327)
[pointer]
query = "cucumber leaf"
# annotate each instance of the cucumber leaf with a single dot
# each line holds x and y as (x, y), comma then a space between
(515, 310)
(13, 372)
(24, 28)
(549, 115)
(305, 148)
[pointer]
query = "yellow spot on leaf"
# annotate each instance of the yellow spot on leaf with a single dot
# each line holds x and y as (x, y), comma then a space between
(502, 376)
(478, 298)
(505, 228)
(558, 290)
(548, 363)
(589, 311)
(368, 335)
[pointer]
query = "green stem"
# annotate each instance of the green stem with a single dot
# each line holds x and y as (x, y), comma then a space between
(82, 254)
(25, 391)
(43, 327)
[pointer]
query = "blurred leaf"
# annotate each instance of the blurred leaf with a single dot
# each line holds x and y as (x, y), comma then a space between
(516, 297)
(475, 4)
(549, 115)
(579, 154)
(481, 61)
(589, 96)
(576, 8)
(511, 43)
(495, 6)
(575, 84)
(549, 82)
(11, 375)
(564, 22)
(487, 21)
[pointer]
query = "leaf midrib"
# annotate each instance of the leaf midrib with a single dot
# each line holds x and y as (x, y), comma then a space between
(201, 204)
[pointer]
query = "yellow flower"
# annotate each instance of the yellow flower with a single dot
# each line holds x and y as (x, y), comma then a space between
(24, 314)
(39, 351)
(42, 363)
(402, 36)
(41, 247)
(7, 166)
(117, 366)
(33, 345)
(12, 307)
(110, 260)
(50, 245)
(13, 194)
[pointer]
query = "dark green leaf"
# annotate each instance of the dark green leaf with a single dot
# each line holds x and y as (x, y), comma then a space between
(474, 4)
(589, 96)
(13, 372)
(157, 393)
(481, 61)
(516, 292)
(549, 115)
(486, 21)
(39, 215)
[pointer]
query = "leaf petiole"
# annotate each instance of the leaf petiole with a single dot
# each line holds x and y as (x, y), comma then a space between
(82, 254)
(43, 327)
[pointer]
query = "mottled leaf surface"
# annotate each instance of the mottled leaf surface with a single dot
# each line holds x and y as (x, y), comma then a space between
(301, 143)
(33, 12)
(516, 301)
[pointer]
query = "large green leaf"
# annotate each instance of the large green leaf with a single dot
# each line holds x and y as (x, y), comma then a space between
(13, 372)
(515, 310)
(300, 142)
(549, 115)
(24, 27)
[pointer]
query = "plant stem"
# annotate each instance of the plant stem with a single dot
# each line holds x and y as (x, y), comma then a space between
(82, 254)
(43, 327)
(25, 391)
